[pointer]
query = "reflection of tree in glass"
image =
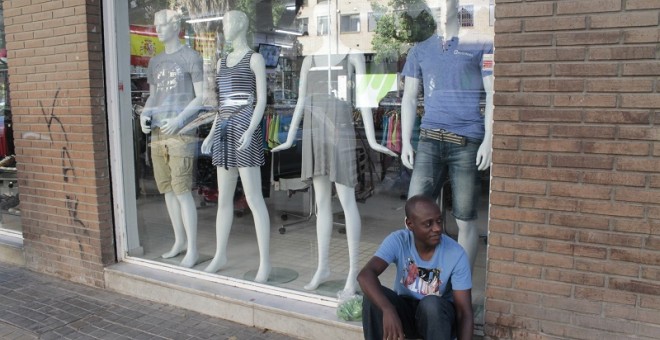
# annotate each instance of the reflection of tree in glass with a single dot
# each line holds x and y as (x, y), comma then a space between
(401, 23)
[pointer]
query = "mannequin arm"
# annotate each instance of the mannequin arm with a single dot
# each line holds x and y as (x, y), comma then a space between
(173, 125)
(367, 117)
(485, 153)
(298, 111)
(408, 114)
(145, 116)
(258, 66)
(208, 141)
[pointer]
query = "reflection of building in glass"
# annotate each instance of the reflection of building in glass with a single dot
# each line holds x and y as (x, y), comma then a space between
(351, 17)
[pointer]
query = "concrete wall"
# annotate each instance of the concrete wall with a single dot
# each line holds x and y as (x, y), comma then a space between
(575, 218)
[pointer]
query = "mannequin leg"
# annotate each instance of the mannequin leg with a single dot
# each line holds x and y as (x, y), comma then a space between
(251, 180)
(174, 210)
(227, 182)
(189, 218)
(323, 194)
(353, 230)
(468, 238)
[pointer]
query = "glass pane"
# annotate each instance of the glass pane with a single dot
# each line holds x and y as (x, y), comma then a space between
(269, 137)
(10, 210)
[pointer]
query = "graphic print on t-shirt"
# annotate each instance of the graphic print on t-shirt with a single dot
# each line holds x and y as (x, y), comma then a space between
(421, 280)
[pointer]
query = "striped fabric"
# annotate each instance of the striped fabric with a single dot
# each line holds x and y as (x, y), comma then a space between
(236, 95)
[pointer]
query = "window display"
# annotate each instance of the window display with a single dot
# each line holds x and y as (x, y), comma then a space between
(267, 137)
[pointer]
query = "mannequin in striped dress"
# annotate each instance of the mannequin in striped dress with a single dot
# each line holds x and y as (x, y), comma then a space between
(235, 140)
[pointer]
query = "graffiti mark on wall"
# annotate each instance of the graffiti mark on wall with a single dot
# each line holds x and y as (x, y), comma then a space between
(71, 201)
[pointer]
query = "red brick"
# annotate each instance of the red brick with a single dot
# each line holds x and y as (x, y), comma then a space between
(605, 324)
(551, 145)
(502, 199)
(652, 242)
(615, 178)
(496, 226)
(655, 179)
(650, 273)
(520, 158)
(507, 85)
(504, 10)
(610, 209)
(642, 4)
(592, 6)
(544, 259)
(642, 35)
(500, 170)
(508, 267)
(635, 286)
(555, 24)
(613, 239)
(499, 294)
(502, 114)
(647, 330)
(640, 100)
(508, 56)
(619, 84)
(505, 143)
(614, 148)
(513, 70)
(524, 40)
(571, 304)
(518, 186)
(551, 115)
(637, 195)
(574, 277)
(553, 85)
(587, 38)
(628, 19)
(638, 164)
(589, 162)
(497, 306)
(589, 100)
(560, 204)
(546, 232)
(652, 302)
(519, 215)
(510, 129)
(565, 331)
(586, 70)
(578, 131)
(541, 286)
(554, 54)
(546, 174)
(580, 221)
(580, 191)
(635, 256)
(508, 26)
(641, 68)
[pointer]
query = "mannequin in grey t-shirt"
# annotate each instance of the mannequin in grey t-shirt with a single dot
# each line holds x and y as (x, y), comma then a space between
(175, 84)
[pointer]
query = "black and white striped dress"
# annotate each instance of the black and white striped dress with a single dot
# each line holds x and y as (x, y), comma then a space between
(236, 83)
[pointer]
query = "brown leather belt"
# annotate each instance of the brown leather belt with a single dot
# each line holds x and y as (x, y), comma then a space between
(443, 136)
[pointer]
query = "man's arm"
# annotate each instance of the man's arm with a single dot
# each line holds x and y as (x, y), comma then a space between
(370, 284)
(464, 316)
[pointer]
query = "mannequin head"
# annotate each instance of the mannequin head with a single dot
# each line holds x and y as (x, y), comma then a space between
(168, 24)
(235, 25)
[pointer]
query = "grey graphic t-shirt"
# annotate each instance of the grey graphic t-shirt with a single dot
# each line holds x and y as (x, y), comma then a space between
(173, 76)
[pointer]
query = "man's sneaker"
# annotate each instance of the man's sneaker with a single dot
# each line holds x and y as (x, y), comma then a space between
(8, 162)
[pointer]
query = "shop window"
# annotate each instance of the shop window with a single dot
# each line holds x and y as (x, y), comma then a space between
(372, 21)
(350, 23)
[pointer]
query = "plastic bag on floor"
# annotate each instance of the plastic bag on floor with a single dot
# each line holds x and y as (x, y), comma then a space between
(350, 307)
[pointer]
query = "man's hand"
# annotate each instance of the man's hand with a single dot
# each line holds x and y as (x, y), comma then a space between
(392, 328)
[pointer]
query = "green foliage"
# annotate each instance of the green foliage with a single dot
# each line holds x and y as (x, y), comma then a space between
(401, 23)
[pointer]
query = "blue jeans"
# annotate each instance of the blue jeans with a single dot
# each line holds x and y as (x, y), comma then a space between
(432, 317)
(435, 161)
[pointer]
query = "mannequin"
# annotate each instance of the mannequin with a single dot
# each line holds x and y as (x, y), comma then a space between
(329, 144)
(235, 140)
(462, 65)
(175, 85)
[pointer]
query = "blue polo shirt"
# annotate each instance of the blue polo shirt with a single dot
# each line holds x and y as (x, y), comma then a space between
(452, 76)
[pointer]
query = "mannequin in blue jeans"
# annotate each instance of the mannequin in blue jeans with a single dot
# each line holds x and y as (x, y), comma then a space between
(432, 296)
(456, 138)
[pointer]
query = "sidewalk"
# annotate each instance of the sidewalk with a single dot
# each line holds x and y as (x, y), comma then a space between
(37, 306)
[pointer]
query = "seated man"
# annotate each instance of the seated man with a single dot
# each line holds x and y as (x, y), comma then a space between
(433, 287)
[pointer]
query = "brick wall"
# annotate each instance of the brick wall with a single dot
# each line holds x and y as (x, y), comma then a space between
(575, 218)
(55, 60)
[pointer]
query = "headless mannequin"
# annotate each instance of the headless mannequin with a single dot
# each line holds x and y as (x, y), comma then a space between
(331, 53)
(235, 25)
(180, 207)
(468, 236)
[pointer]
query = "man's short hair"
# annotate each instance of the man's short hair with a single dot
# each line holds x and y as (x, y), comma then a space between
(411, 203)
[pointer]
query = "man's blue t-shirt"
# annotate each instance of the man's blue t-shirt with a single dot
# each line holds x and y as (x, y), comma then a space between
(448, 269)
(452, 75)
